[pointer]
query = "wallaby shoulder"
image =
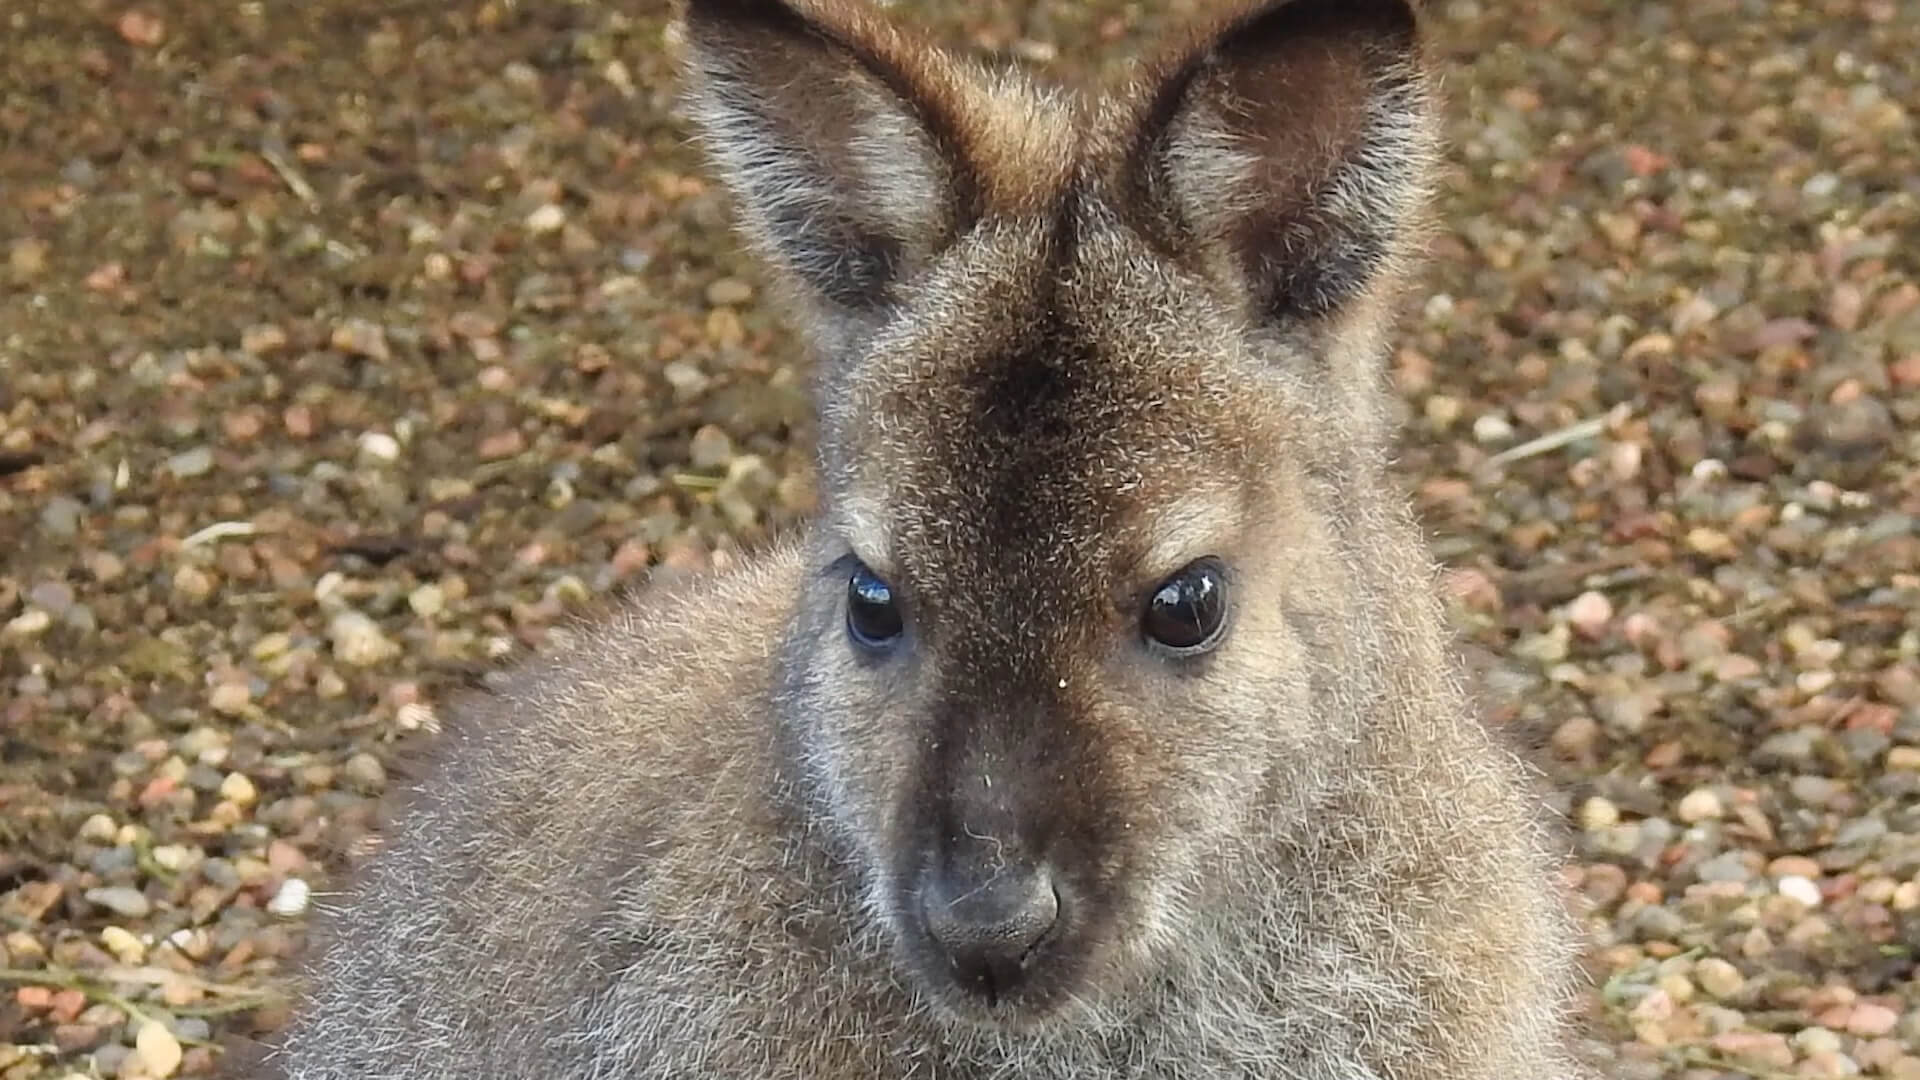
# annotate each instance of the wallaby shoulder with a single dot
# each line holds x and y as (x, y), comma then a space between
(601, 800)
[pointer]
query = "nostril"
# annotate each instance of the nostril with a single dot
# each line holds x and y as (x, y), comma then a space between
(989, 930)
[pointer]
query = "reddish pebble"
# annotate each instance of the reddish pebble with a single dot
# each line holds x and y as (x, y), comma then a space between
(107, 276)
(1760, 1047)
(631, 558)
(1871, 1020)
(1665, 755)
(299, 421)
(1474, 589)
(284, 858)
(1642, 160)
(139, 28)
(157, 790)
(1640, 629)
(1872, 716)
(1798, 865)
(502, 444)
(1589, 614)
(1906, 370)
(67, 1004)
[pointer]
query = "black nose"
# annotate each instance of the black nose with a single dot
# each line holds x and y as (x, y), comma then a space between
(988, 927)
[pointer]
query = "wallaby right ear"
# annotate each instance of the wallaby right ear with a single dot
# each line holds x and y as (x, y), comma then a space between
(1292, 147)
(840, 139)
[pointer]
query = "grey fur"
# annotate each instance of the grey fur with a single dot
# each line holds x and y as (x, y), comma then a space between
(673, 849)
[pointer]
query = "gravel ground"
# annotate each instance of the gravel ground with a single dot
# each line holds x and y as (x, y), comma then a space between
(346, 347)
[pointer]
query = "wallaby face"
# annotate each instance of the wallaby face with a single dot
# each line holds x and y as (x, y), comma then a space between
(1099, 403)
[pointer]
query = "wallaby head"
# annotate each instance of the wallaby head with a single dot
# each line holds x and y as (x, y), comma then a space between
(1103, 575)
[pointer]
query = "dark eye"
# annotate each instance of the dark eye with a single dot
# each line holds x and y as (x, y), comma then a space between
(872, 616)
(1187, 612)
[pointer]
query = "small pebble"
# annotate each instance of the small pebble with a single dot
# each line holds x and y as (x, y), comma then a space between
(122, 944)
(1597, 813)
(1589, 614)
(191, 463)
(121, 900)
(427, 601)
(1796, 887)
(239, 790)
(546, 218)
(711, 448)
(380, 447)
(56, 597)
(290, 898)
(1718, 978)
(729, 292)
(358, 640)
(358, 337)
(99, 829)
(229, 698)
(365, 772)
(1815, 1040)
(1700, 804)
(1491, 428)
(192, 584)
(61, 516)
(173, 857)
(156, 1049)
(1871, 1021)
(28, 624)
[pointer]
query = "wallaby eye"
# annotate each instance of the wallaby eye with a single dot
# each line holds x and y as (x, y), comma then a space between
(872, 616)
(1188, 611)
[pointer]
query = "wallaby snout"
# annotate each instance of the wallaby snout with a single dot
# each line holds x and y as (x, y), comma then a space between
(991, 930)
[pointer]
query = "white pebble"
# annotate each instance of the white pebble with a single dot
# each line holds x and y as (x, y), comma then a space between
(156, 1049)
(31, 623)
(1719, 978)
(546, 218)
(415, 716)
(1597, 813)
(357, 640)
(379, 446)
(1815, 1040)
(1492, 428)
(238, 789)
(428, 600)
(1590, 612)
(173, 858)
(99, 829)
(1699, 805)
(123, 944)
(1798, 887)
(291, 898)
(1813, 682)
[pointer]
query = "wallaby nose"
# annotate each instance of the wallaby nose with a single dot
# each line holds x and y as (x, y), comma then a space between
(988, 928)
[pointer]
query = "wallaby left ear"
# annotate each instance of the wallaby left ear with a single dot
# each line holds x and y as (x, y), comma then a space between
(1291, 151)
(845, 143)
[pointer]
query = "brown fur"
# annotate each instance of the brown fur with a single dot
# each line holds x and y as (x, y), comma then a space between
(1066, 346)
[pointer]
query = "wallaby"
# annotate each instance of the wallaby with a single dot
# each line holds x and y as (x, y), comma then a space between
(1104, 724)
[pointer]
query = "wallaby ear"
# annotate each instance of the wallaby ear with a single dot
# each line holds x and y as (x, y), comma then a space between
(839, 138)
(1291, 150)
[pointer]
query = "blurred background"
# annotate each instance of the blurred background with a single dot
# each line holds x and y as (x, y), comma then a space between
(347, 347)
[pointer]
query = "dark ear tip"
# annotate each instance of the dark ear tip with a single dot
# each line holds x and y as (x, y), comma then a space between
(1391, 21)
(763, 14)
